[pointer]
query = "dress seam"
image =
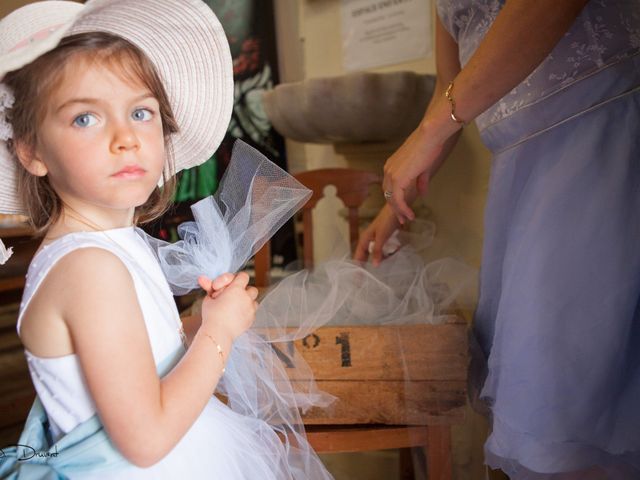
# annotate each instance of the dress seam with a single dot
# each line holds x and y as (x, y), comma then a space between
(568, 119)
(562, 88)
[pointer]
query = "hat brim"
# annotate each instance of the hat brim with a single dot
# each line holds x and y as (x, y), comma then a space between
(188, 47)
(48, 22)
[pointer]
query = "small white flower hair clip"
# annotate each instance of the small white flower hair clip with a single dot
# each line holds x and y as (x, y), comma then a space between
(6, 102)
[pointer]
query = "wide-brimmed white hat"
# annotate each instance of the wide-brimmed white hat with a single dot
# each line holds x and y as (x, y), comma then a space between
(183, 39)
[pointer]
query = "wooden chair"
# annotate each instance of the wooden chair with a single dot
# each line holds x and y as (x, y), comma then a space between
(353, 187)
(13, 272)
(16, 389)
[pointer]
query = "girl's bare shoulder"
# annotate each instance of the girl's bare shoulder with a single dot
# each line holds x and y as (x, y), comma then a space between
(69, 295)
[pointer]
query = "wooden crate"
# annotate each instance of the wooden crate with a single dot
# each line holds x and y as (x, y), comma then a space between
(395, 375)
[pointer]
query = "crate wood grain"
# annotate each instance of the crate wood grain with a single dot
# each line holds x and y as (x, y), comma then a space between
(395, 375)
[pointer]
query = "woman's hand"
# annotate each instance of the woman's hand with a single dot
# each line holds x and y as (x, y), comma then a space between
(378, 232)
(230, 306)
(411, 166)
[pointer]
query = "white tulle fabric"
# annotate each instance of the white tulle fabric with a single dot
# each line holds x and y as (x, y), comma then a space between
(253, 201)
(403, 289)
(255, 198)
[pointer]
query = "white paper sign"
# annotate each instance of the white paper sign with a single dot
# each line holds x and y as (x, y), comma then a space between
(384, 32)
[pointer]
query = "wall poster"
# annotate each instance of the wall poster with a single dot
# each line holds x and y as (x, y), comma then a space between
(384, 32)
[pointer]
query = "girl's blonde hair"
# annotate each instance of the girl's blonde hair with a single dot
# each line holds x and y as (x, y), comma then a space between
(34, 83)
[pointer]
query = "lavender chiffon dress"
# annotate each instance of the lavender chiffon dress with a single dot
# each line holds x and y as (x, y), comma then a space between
(558, 319)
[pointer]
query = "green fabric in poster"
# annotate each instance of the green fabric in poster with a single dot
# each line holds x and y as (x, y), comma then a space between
(207, 178)
(198, 182)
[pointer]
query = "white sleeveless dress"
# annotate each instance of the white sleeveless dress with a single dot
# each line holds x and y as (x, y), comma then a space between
(220, 444)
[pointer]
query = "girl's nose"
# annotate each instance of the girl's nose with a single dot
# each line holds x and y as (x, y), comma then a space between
(124, 139)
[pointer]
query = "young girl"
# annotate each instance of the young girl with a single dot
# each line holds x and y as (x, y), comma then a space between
(97, 102)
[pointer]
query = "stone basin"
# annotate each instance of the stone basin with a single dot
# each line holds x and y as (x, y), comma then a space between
(353, 108)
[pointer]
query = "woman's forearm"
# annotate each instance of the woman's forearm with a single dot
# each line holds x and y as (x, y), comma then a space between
(450, 141)
(521, 37)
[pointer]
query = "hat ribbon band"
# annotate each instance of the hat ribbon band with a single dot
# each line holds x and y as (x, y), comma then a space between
(36, 37)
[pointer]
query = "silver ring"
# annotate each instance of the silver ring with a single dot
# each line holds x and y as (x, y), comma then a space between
(388, 194)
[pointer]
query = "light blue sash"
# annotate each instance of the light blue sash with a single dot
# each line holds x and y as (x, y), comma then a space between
(85, 448)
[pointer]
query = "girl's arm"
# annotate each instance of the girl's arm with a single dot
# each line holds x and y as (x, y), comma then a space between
(191, 323)
(523, 34)
(144, 416)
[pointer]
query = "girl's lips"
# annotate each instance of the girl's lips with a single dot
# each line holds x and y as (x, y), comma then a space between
(130, 172)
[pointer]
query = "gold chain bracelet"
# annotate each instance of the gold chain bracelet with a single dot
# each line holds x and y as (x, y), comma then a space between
(218, 348)
(448, 93)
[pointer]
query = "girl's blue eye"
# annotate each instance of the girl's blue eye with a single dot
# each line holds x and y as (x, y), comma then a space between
(85, 120)
(142, 115)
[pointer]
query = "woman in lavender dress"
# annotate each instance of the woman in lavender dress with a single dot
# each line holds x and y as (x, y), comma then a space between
(554, 88)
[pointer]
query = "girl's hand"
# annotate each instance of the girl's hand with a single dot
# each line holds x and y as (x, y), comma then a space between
(378, 232)
(214, 287)
(233, 309)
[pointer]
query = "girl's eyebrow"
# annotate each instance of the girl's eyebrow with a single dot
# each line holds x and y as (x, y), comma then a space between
(95, 101)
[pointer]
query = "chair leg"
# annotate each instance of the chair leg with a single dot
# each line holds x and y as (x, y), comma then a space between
(406, 465)
(438, 453)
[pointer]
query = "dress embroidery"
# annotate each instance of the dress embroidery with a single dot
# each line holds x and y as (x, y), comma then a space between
(605, 32)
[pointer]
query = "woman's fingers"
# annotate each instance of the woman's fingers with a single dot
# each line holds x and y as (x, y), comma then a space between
(362, 249)
(399, 205)
(376, 253)
(375, 236)
(395, 187)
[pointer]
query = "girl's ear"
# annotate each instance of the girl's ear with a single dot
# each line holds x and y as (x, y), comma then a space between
(29, 159)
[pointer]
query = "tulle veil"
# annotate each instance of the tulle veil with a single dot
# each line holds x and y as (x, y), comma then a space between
(254, 200)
